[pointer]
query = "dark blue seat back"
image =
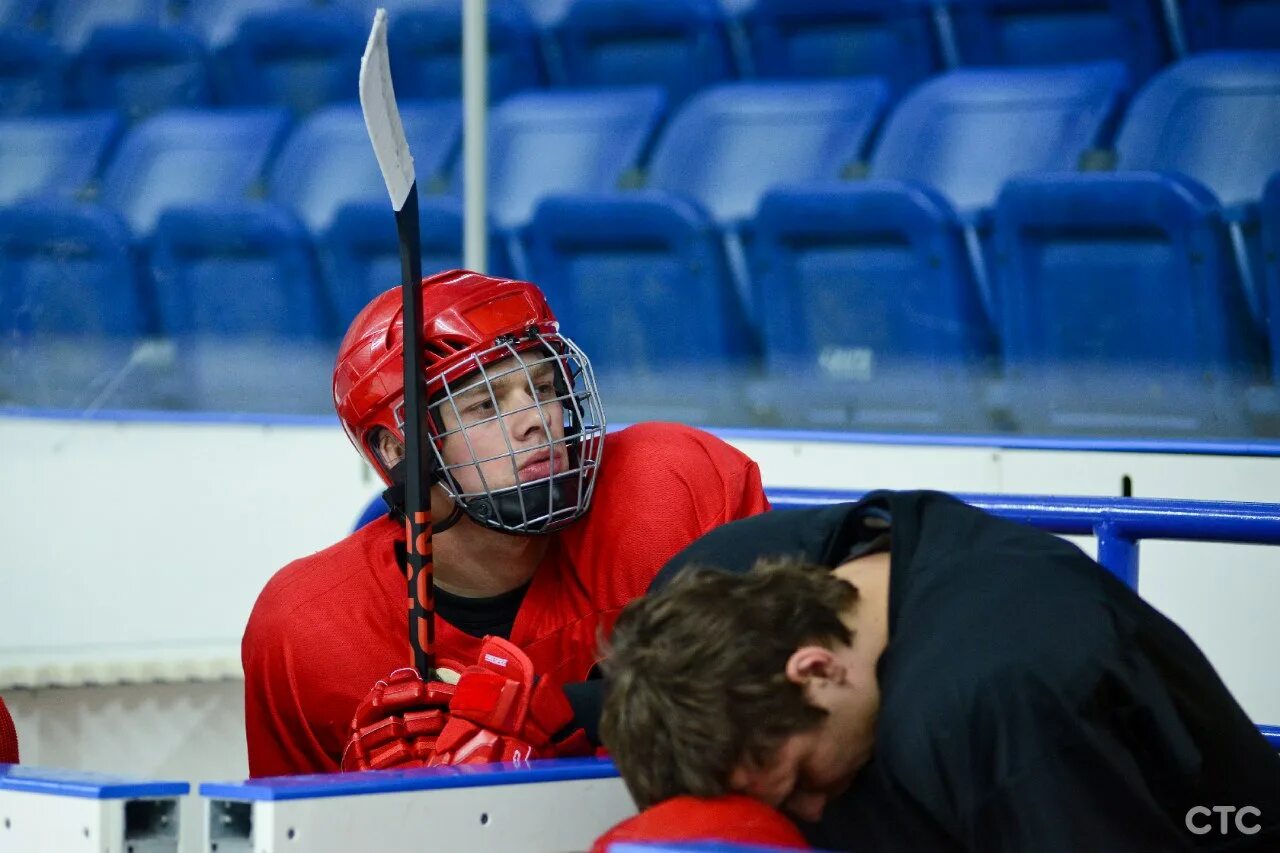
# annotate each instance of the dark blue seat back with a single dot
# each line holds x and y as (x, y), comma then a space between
(214, 277)
(32, 72)
(680, 45)
(67, 271)
(72, 22)
(425, 42)
(1049, 32)
(55, 156)
(23, 14)
(190, 156)
(360, 258)
(1232, 24)
(565, 142)
(140, 69)
(846, 293)
(966, 132)
(1214, 117)
(1271, 244)
(72, 309)
(299, 58)
(891, 39)
(1119, 310)
(640, 282)
(236, 292)
(327, 161)
(730, 143)
(218, 21)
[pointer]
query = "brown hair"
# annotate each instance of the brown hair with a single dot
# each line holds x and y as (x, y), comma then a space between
(698, 679)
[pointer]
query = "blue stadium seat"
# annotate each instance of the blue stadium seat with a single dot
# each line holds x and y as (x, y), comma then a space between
(61, 156)
(325, 166)
(712, 164)
(962, 134)
(892, 39)
(327, 161)
(542, 143)
(140, 69)
(360, 257)
(1214, 117)
(644, 289)
(869, 316)
(424, 38)
(218, 21)
(1048, 32)
(680, 45)
(1119, 313)
(917, 355)
(183, 157)
(1196, 147)
(1232, 24)
(1265, 401)
(73, 22)
(1271, 244)
(966, 132)
(72, 309)
(32, 72)
(234, 299)
(732, 142)
(299, 58)
(23, 15)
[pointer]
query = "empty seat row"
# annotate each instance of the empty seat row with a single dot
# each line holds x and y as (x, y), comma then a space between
(920, 222)
(1130, 330)
(142, 55)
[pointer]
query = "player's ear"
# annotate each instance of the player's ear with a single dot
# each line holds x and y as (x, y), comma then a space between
(390, 448)
(812, 665)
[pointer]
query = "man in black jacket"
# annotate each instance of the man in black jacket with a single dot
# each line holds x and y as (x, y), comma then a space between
(911, 673)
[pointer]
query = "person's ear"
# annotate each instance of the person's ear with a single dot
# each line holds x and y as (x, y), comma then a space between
(813, 665)
(390, 448)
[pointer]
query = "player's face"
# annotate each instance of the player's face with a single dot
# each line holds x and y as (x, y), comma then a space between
(508, 429)
(813, 766)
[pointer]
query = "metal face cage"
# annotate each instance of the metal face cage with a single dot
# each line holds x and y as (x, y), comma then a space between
(518, 435)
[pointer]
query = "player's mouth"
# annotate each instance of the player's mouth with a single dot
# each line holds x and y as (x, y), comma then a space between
(540, 465)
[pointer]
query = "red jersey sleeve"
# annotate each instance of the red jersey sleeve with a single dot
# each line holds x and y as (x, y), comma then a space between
(8, 737)
(661, 486)
(280, 738)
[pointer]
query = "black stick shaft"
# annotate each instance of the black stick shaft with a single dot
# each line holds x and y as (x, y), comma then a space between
(419, 567)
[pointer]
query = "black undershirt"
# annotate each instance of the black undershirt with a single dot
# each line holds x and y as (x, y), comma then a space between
(481, 617)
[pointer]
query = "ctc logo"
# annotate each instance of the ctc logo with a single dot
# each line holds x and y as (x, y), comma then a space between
(1199, 822)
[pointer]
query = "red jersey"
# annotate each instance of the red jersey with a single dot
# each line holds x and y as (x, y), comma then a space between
(327, 627)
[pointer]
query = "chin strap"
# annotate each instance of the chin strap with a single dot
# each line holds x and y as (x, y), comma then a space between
(393, 497)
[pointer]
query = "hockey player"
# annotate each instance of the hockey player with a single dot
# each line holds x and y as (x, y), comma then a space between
(519, 440)
(911, 673)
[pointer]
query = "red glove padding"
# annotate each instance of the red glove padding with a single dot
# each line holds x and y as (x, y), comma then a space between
(396, 725)
(733, 818)
(501, 711)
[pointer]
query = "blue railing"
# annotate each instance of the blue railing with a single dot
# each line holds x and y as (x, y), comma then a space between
(1118, 523)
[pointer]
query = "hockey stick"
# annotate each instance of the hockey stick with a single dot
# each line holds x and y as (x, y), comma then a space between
(382, 118)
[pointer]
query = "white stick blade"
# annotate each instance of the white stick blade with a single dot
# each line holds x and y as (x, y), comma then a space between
(382, 116)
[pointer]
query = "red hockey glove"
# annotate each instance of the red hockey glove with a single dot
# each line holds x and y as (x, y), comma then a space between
(501, 711)
(396, 725)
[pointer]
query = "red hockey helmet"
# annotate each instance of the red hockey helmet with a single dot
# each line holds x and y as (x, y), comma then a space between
(477, 330)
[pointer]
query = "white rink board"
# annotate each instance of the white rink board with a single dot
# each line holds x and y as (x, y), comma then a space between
(565, 814)
(55, 811)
